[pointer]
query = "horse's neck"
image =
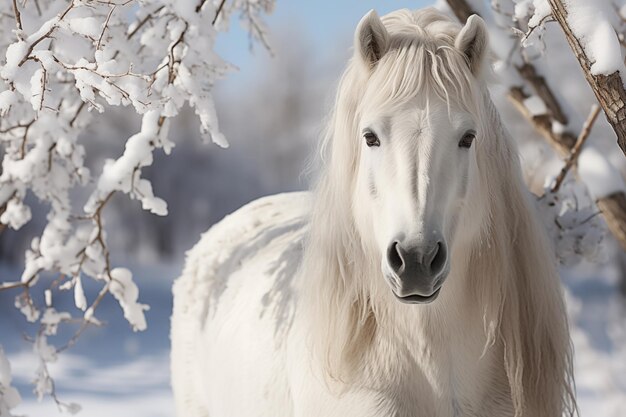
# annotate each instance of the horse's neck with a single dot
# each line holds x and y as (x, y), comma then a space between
(452, 318)
(446, 340)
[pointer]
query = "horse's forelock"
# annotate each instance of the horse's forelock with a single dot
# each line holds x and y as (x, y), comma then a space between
(421, 60)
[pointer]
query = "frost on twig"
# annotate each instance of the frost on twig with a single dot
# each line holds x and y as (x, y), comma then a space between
(572, 221)
(67, 61)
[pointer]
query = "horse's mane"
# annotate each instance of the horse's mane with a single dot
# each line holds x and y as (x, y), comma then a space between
(511, 265)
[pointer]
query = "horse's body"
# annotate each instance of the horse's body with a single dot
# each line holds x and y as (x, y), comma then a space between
(239, 348)
(283, 308)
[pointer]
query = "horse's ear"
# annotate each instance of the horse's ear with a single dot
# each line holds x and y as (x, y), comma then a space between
(371, 40)
(472, 41)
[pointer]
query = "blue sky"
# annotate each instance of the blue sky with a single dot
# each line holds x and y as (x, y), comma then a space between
(328, 22)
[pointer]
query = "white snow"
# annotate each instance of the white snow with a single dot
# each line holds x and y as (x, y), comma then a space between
(542, 10)
(126, 292)
(557, 127)
(537, 9)
(590, 23)
(51, 319)
(9, 396)
(79, 294)
(600, 176)
(7, 99)
(136, 387)
(14, 55)
(535, 105)
(16, 214)
(86, 26)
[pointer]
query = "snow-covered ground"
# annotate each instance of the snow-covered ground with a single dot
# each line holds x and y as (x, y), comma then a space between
(135, 386)
(598, 328)
(111, 371)
(115, 372)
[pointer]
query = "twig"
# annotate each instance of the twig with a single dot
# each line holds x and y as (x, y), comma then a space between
(47, 34)
(18, 16)
(44, 80)
(573, 156)
(12, 284)
(20, 284)
(24, 139)
(38, 8)
(543, 90)
(18, 126)
(546, 19)
(217, 12)
(143, 22)
(82, 104)
(172, 59)
(104, 27)
(543, 123)
(86, 322)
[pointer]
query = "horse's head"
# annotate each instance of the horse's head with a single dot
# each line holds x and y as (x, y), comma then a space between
(418, 125)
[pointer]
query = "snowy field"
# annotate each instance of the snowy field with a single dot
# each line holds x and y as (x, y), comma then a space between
(115, 372)
(111, 371)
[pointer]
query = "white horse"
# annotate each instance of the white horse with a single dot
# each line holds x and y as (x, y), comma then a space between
(416, 280)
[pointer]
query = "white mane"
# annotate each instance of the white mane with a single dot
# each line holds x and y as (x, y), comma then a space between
(510, 267)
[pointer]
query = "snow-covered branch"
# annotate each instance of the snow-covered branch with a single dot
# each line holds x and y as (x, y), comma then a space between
(66, 62)
(595, 43)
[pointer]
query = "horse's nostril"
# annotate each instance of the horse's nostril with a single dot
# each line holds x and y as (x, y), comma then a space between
(438, 258)
(394, 258)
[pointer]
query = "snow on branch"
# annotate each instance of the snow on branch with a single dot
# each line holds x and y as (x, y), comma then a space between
(592, 37)
(66, 62)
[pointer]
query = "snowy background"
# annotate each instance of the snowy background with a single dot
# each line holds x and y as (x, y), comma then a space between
(271, 111)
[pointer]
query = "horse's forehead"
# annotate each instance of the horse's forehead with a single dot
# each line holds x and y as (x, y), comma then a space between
(434, 115)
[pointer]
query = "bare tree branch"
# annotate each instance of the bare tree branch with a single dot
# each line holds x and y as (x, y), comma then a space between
(217, 12)
(584, 134)
(105, 26)
(562, 142)
(539, 84)
(18, 16)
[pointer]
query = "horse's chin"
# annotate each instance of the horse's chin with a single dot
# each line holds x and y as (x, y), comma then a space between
(415, 295)
(417, 298)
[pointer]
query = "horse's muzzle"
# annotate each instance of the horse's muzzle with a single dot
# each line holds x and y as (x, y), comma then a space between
(418, 270)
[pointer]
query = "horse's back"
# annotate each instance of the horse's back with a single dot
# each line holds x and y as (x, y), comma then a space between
(233, 306)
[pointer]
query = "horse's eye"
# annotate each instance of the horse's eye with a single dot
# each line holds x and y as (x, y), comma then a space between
(371, 139)
(467, 139)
